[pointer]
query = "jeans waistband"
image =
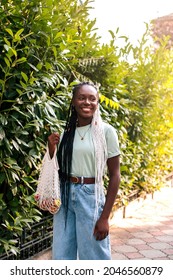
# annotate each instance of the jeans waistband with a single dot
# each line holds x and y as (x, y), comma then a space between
(82, 180)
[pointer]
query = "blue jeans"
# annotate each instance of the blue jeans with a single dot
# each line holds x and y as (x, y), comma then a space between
(76, 239)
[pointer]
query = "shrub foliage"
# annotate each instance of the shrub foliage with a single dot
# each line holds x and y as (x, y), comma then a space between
(47, 46)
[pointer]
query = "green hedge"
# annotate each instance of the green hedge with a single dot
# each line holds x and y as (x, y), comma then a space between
(47, 46)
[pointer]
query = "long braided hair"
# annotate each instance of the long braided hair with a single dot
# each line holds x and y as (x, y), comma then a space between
(65, 155)
(66, 149)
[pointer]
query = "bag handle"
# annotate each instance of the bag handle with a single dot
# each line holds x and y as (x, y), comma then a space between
(54, 158)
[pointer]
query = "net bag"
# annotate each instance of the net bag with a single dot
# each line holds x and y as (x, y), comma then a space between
(48, 195)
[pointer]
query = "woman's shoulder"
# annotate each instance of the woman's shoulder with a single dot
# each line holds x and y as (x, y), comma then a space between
(111, 137)
(110, 132)
(108, 127)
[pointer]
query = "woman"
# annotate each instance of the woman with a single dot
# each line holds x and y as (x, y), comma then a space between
(88, 145)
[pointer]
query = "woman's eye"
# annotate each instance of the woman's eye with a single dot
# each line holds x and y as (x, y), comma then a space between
(81, 98)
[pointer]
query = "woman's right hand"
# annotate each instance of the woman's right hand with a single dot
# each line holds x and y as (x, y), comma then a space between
(53, 140)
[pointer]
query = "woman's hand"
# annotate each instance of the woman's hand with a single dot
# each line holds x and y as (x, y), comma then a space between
(53, 140)
(101, 229)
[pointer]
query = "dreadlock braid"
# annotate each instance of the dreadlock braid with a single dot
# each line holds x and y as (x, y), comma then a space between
(100, 148)
(65, 154)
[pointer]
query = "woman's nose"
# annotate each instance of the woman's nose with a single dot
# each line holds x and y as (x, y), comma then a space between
(87, 101)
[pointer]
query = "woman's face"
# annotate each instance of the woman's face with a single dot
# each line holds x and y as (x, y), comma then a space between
(85, 102)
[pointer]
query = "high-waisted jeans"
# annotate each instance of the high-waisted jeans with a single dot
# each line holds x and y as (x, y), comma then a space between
(75, 240)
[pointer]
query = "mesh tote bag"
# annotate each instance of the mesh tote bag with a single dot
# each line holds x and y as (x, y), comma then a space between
(48, 195)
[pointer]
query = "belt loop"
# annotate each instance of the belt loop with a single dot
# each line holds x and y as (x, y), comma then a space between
(82, 180)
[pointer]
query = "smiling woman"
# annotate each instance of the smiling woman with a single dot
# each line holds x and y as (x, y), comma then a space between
(81, 227)
(85, 101)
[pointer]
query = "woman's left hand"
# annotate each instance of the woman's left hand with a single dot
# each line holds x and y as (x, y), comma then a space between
(101, 229)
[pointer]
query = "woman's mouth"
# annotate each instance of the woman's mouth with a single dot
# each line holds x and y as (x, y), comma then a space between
(86, 110)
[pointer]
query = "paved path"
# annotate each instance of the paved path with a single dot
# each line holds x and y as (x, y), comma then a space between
(145, 233)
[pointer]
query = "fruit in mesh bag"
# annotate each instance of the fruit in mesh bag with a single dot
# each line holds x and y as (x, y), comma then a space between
(56, 203)
(42, 203)
(47, 204)
(36, 197)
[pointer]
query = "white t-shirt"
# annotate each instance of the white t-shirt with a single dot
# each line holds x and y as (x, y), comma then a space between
(83, 157)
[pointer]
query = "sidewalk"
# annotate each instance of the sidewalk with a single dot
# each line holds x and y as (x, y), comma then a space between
(145, 233)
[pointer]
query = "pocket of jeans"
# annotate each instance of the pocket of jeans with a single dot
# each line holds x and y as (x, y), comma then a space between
(89, 189)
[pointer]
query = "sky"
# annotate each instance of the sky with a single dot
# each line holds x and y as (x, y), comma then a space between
(129, 15)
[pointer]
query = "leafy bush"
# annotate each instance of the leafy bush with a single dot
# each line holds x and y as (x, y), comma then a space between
(45, 47)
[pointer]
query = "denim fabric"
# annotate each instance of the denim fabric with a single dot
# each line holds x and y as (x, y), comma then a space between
(76, 240)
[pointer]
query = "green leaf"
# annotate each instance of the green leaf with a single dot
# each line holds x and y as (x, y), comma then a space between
(2, 82)
(6, 47)
(14, 251)
(2, 178)
(19, 91)
(11, 162)
(18, 33)
(9, 31)
(13, 51)
(33, 67)
(7, 61)
(15, 144)
(15, 176)
(48, 65)
(24, 76)
(7, 42)
(2, 133)
(58, 35)
(23, 84)
(21, 60)
(39, 65)
(50, 110)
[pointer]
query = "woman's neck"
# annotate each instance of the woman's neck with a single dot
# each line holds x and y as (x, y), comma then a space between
(83, 122)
